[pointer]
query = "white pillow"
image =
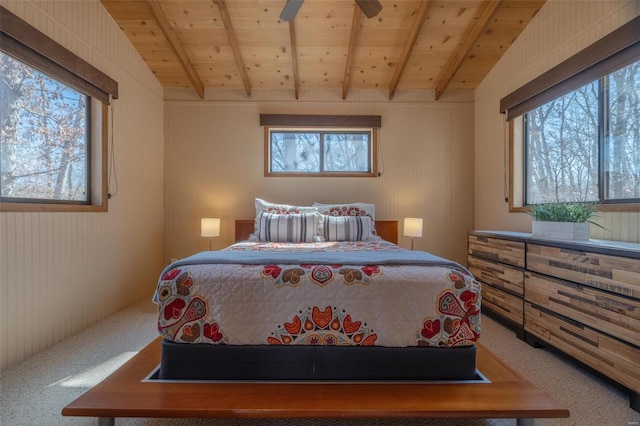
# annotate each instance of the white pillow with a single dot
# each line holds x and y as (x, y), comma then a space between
(347, 228)
(273, 208)
(263, 206)
(288, 228)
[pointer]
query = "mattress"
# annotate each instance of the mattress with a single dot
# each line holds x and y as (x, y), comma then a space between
(363, 293)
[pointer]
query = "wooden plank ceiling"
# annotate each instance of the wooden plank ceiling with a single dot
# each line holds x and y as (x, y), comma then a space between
(243, 44)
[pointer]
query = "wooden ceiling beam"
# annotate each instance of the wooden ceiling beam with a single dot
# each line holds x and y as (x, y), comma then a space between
(408, 46)
(235, 46)
(176, 46)
(294, 58)
(353, 41)
(456, 61)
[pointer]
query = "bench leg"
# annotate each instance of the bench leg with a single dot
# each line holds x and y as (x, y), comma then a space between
(106, 421)
(524, 422)
(634, 401)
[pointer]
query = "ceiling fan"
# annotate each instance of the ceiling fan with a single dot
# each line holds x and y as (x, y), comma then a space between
(370, 8)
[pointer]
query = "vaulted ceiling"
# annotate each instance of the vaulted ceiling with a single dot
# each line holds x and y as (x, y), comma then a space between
(243, 44)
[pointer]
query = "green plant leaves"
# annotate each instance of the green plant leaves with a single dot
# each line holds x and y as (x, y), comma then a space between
(576, 212)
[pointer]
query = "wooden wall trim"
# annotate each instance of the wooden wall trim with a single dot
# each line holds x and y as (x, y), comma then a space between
(624, 38)
(27, 36)
(301, 120)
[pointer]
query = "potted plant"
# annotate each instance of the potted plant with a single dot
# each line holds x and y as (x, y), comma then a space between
(563, 220)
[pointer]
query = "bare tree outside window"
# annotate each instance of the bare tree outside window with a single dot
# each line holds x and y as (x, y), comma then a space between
(44, 136)
(320, 152)
(570, 139)
(295, 152)
(346, 152)
(622, 158)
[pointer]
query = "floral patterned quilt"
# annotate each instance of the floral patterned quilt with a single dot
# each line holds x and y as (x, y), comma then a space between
(314, 303)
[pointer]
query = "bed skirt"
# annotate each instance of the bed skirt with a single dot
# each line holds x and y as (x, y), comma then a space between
(181, 361)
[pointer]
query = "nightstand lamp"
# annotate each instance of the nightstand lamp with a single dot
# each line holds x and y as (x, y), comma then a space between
(412, 228)
(210, 227)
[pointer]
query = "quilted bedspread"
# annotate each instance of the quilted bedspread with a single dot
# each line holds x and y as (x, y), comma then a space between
(326, 293)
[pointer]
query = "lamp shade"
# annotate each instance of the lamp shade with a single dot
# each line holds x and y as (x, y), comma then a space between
(413, 227)
(210, 227)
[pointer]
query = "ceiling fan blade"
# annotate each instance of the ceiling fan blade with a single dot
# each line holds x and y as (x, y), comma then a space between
(370, 8)
(290, 10)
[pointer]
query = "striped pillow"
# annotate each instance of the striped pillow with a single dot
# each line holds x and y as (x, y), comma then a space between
(288, 228)
(347, 228)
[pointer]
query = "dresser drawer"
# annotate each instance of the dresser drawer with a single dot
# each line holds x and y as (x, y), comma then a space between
(504, 251)
(497, 274)
(612, 314)
(613, 358)
(503, 303)
(615, 274)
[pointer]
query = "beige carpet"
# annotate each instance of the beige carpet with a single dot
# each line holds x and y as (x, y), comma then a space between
(34, 392)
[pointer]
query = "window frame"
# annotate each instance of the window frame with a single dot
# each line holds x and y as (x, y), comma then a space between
(612, 52)
(603, 118)
(25, 43)
(517, 179)
(373, 153)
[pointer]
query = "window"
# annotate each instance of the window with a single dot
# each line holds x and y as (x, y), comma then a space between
(46, 139)
(622, 134)
(320, 145)
(324, 152)
(53, 123)
(575, 130)
(585, 145)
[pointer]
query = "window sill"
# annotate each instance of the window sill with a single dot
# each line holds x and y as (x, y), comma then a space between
(622, 207)
(43, 207)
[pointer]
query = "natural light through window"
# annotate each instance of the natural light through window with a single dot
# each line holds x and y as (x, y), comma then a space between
(320, 152)
(55, 116)
(94, 375)
(44, 149)
(585, 145)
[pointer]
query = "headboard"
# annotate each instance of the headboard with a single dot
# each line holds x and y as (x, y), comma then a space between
(386, 229)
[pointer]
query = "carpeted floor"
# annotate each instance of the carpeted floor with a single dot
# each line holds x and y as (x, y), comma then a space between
(35, 391)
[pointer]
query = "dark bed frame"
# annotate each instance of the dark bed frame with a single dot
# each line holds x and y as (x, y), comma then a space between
(182, 361)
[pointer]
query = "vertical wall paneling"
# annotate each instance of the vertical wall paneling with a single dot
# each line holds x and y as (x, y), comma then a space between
(559, 30)
(214, 167)
(61, 272)
(4, 297)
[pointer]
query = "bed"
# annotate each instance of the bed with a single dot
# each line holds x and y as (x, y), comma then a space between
(348, 305)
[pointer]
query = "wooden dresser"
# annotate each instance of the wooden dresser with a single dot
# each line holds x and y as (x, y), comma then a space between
(498, 261)
(581, 297)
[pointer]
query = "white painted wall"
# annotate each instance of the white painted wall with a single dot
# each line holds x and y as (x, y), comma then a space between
(61, 272)
(561, 29)
(215, 154)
